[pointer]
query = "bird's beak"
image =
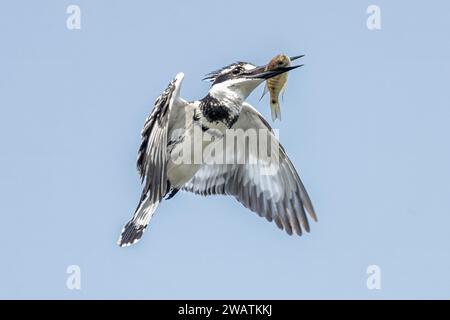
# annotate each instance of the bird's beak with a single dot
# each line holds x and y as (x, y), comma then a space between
(296, 57)
(262, 74)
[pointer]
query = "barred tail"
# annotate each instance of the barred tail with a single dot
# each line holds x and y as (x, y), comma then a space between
(133, 230)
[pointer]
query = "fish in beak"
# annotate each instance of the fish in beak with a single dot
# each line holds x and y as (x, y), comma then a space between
(276, 82)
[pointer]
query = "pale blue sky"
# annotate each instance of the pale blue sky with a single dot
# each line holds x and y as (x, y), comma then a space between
(366, 123)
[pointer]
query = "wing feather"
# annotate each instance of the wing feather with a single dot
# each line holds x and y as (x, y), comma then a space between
(279, 197)
(152, 161)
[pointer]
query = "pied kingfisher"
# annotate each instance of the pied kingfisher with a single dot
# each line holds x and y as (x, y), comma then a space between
(279, 197)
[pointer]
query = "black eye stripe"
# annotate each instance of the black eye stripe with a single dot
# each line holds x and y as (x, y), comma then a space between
(227, 73)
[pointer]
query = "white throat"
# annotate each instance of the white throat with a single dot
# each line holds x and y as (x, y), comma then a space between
(234, 91)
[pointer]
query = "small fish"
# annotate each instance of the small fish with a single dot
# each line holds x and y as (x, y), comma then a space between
(276, 85)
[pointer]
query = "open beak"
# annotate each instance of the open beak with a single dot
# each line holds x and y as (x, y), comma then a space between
(263, 74)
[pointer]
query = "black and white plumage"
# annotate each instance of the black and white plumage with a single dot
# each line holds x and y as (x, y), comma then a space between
(270, 188)
(152, 161)
(279, 197)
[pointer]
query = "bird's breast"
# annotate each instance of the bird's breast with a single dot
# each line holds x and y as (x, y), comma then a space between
(217, 115)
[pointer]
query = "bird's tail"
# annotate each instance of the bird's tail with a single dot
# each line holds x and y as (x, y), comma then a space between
(133, 230)
(275, 109)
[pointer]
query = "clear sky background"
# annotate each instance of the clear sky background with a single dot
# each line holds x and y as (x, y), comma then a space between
(365, 122)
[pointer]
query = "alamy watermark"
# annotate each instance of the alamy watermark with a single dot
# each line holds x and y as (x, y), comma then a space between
(374, 19)
(231, 146)
(373, 281)
(73, 281)
(73, 21)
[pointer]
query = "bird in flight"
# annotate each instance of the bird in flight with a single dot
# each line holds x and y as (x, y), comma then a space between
(177, 133)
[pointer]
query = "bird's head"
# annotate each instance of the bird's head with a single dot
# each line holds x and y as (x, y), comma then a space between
(241, 78)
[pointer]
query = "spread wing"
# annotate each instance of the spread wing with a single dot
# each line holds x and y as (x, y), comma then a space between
(152, 160)
(269, 186)
(152, 155)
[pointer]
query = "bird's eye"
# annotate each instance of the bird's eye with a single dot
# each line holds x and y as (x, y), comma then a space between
(237, 70)
(280, 63)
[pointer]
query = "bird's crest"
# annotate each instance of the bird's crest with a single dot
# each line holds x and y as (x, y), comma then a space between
(213, 75)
